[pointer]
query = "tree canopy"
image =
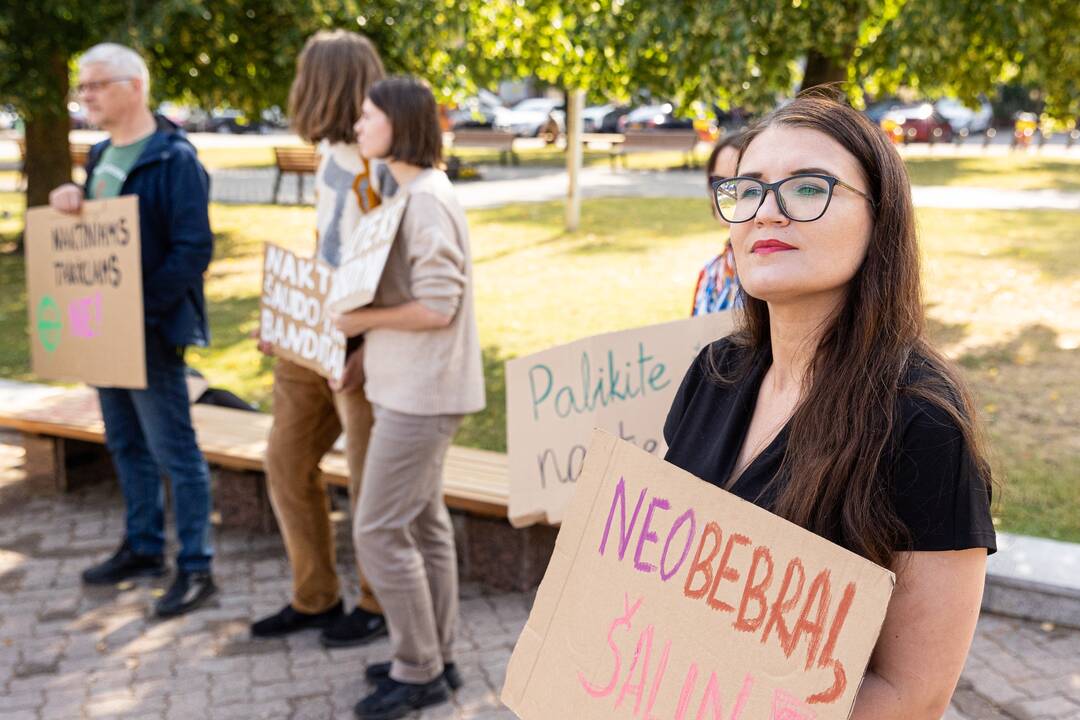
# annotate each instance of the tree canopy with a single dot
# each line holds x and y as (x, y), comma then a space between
(242, 52)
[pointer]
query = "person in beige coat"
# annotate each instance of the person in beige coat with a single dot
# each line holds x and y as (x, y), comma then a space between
(423, 373)
(332, 77)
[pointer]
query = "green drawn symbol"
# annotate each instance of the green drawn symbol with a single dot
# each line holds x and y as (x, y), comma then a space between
(50, 323)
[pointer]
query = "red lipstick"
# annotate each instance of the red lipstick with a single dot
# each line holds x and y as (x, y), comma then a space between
(767, 247)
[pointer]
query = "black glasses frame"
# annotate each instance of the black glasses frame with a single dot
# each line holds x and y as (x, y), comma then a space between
(95, 85)
(715, 182)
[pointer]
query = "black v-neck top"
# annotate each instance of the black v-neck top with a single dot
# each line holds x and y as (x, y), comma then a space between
(936, 490)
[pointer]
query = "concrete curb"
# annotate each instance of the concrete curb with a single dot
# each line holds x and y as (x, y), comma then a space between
(1035, 579)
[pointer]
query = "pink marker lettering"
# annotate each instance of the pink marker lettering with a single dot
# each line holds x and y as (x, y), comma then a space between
(787, 707)
(647, 535)
(619, 500)
(82, 312)
(644, 640)
(628, 614)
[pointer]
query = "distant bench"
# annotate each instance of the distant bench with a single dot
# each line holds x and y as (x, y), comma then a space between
(621, 145)
(63, 434)
(80, 152)
(498, 140)
(298, 160)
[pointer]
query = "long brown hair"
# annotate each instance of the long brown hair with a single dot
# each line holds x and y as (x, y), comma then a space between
(333, 74)
(835, 469)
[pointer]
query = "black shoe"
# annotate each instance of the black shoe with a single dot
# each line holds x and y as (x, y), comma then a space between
(393, 699)
(189, 590)
(356, 628)
(289, 620)
(124, 565)
(380, 673)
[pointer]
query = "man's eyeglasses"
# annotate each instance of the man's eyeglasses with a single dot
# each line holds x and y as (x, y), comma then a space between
(802, 198)
(95, 85)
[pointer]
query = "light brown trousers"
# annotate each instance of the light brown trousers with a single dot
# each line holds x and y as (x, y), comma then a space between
(308, 418)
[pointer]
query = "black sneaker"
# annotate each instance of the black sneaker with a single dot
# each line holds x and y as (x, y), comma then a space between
(393, 699)
(124, 565)
(356, 628)
(289, 620)
(380, 672)
(189, 590)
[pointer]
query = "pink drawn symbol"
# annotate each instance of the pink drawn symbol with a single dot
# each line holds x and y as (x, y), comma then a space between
(787, 707)
(85, 316)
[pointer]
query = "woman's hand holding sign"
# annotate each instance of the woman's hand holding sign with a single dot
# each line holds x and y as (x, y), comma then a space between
(408, 316)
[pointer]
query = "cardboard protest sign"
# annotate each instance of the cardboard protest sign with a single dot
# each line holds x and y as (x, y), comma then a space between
(292, 312)
(668, 597)
(356, 280)
(622, 382)
(84, 293)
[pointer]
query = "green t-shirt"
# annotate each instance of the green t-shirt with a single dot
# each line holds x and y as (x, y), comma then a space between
(113, 168)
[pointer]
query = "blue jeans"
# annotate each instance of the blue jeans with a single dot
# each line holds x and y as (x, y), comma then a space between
(149, 433)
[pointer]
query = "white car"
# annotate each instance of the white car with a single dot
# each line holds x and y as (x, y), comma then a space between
(961, 117)
(593, 117)
(531, 117)
(8, 118)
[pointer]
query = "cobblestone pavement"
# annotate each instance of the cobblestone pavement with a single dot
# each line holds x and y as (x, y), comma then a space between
(69, 652)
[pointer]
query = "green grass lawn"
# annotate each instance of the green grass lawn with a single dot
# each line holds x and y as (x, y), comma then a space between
(1016, 171)
(1020, 172)
(1001, 289)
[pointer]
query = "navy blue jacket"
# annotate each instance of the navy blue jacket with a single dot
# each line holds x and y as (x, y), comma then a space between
(174, 228)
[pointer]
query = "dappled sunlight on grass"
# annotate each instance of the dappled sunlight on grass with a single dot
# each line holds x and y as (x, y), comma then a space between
(1010, 172)
(1000, 271)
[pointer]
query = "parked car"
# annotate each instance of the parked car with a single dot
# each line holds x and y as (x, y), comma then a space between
(180, 115)
(476, 111)
(593, 117)
(610, 122)
(918, 123)
(221, 121)
(79, 121)
(9, 119)
(273, 118)
(532, 117)
(654, 117)
(877, 111)
(962, 118)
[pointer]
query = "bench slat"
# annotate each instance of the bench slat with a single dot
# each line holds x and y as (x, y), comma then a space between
(484, 139)
(474, 480)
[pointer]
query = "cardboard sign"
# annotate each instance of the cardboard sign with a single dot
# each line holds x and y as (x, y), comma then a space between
(293, 315)
(84, 293)
(356, 280)
(623, 382)
(667, 597)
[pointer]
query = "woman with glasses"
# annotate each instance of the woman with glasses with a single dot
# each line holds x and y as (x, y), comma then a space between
(718, 283)
(829, 406)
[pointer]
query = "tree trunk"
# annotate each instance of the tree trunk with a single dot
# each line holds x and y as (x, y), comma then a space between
(821, 70)
(48, 158)
(574, 154)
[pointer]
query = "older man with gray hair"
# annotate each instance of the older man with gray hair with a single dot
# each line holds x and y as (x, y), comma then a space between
(149, 432)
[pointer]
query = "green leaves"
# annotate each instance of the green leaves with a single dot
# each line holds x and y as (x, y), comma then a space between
(243, 52)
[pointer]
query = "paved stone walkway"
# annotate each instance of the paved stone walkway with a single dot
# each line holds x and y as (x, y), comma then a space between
(69, 652)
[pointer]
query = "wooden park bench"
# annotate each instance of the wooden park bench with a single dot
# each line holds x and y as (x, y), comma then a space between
(489, 140)
(79, 154)
(63, 435)
(684, 141)
(298, 160)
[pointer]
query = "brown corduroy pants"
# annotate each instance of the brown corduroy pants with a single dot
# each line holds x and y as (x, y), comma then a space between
(308, 418)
